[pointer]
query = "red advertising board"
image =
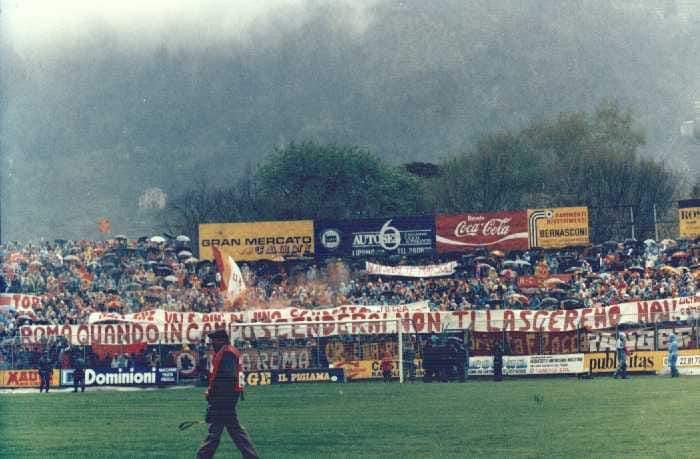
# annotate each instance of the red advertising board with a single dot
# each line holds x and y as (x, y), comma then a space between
(505, 230)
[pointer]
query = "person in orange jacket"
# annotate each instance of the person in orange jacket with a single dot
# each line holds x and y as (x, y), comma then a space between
(225, 387)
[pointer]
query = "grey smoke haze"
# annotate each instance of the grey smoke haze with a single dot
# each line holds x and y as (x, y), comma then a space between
(101, 102)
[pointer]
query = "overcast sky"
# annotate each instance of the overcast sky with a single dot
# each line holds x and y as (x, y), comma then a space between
(32, 25)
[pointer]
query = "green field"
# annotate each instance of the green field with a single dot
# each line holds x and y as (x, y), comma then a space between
(639, 417)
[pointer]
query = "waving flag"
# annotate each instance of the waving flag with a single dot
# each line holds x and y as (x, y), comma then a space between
(231, 276)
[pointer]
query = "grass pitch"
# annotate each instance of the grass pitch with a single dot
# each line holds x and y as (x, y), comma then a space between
(639, 417)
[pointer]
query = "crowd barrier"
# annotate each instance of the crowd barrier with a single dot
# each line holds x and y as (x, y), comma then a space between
(596, 363)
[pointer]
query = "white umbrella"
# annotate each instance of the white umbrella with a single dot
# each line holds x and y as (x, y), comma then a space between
(184, 254)
(182, 238)
(158, 239)
(170, 279)
(71, 258)
(120, 236)
(191, 260)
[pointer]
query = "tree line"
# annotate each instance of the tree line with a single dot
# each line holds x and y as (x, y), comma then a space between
(575, 159)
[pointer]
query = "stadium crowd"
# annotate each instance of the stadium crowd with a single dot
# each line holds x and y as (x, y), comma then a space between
(75, 278)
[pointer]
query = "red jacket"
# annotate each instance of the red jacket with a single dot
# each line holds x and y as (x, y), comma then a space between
(238, 370)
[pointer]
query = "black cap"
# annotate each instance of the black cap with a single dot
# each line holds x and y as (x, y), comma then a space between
(218, 334)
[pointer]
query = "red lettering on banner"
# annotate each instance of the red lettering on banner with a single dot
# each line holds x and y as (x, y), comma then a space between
(614, 314)
(418, 322)
(96, 336)
(434, 322)
(570, 320)
(26, 334)
(152, 334)
(643, 312)
(109, 335)
(176, 333)
(83, 335)
(600, 318)
(524, 314)
(657, 312)
(539, 325)
(584, 313)
(552, 326)
(137, 333)
(508, 320)
(460, 317)
(488, 322)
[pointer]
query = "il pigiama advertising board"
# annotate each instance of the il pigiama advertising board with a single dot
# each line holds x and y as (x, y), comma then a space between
(377, 237)
(272, 240)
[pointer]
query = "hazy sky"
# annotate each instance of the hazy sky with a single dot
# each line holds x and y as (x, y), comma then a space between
(32, 25)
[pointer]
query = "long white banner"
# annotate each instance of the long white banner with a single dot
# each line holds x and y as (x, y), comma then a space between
(444, 269)
(166, 327)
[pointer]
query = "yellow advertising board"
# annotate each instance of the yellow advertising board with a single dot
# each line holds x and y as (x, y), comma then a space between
(372, 369)
(275, 240)
(26, 378)
(637, 361)
(689, 218)
(558, 227)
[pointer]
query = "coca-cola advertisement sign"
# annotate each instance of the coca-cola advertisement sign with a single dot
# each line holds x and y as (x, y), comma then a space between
(493, 230)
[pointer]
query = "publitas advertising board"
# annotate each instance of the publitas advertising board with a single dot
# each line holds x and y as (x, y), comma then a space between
(124, 376)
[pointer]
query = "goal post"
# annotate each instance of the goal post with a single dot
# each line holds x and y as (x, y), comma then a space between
(328, 341)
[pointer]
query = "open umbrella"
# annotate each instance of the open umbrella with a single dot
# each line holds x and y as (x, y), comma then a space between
(120, 237)
(509, 273)
(571, 303)
(182, 238)
(549, 301)
(163, 270)
(574, 269)
(637, 269)
(158, 239)
(170, 278)
(71, 258)
(497, 253)
(184, 254)
(508, 263)
(610, 244)
(553, 282)
(191, 260)
(668, 242)
(680, 254)
(519, 297)
(522, 263)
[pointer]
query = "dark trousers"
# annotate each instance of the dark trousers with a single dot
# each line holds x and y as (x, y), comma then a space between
(45, 383)
(78, 381)
(237, 433)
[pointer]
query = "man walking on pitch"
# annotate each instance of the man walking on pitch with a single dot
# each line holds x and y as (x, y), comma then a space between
(225, 386)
